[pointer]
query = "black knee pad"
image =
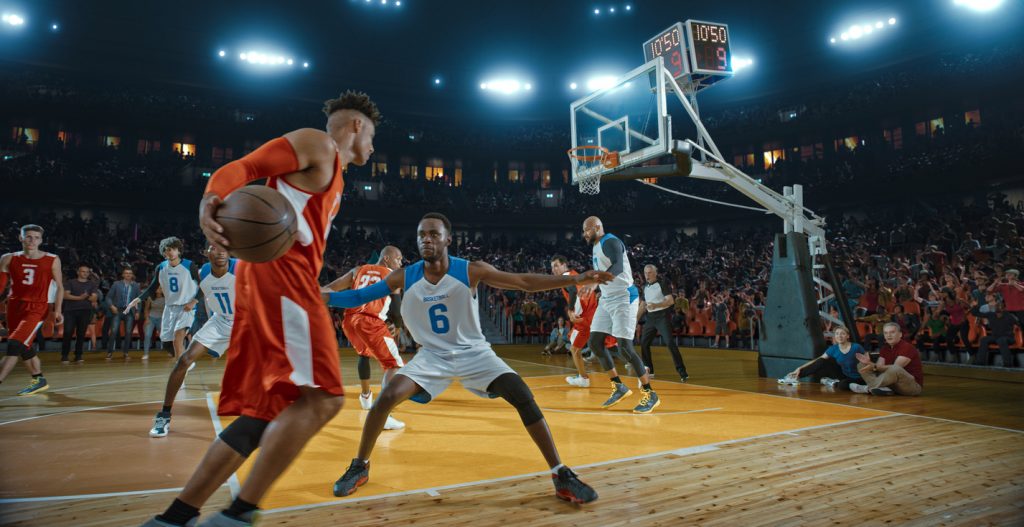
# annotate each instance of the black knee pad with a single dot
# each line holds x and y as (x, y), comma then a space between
(363, 366)
(512, 388)
(243, 435)
(15, 348)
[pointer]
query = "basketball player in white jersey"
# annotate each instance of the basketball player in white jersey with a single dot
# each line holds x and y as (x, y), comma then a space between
(440, 309)
(179, 280)
(217, 286)
(616, 315)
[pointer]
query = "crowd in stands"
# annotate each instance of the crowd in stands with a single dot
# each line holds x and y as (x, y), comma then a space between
(942, 270)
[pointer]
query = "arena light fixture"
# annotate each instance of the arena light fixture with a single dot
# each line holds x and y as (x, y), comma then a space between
(979, 5)
(506, 86)
(222, 53)
(572, 86)
(12, 19)
(859, 31)
(601, 82)
(741, 63)
(597, 11)
(629, 7)
(892, 21)
(54, 27)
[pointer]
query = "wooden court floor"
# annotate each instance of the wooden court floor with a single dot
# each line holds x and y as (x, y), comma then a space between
(727, 448)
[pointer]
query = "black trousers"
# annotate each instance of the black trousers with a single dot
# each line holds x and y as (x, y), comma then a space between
(659, 322)
(981, 358)
(829, 368)
(76, 322)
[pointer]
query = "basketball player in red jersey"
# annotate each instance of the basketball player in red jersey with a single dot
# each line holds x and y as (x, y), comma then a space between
(366, 328)
(580, 307)
(31, 273)
(283, 378)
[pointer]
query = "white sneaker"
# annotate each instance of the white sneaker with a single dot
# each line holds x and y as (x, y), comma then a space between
(579, 382)
(393, 424)
(858, 388)
(191, 367)
(366, 401)
(829, 381)
(789, 379)
(161, 425)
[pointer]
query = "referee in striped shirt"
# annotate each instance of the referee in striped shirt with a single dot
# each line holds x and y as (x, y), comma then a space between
(658, 303)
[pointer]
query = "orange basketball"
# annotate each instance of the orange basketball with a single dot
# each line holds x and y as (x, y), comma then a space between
(258, 222)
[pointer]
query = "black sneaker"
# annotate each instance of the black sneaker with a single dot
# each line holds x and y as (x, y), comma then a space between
(568, 487)
(356, 476)
(882, 391)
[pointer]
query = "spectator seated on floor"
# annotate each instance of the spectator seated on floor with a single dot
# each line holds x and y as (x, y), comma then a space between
(897, 371)
(558, 339)
(836, 367)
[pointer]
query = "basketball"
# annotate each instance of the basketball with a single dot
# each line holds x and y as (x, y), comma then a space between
(259, 223)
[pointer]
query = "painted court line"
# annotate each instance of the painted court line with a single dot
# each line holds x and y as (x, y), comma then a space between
(629, 414)
(233, 483)
(820, 402)
(433, 491)
(89, 496)
(90, 409)
(69, 388)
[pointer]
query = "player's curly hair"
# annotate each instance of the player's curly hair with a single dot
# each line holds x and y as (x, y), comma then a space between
(171, 243)
(354, 100)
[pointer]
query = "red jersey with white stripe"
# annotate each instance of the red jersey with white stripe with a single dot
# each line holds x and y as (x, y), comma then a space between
(366, 276)
(31, 278)
(586, 305)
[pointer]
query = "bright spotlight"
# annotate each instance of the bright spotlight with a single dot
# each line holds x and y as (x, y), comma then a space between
(879, 25)
(856, 32)
(437, 81)
(505, 86)
(979, 5)
(384, 2)
(597, 11)
(290, 62)
(528, 86)
(220, 53)
(55, 27)
(832, 40)
(892, 21)
(868, 29)
(305, 64)
(611, 10)
(14, 20)
(242, 56)
(629, 7)
(845, 36)
(739, 63)
(572, 86)
(600, 83)
(398, 3)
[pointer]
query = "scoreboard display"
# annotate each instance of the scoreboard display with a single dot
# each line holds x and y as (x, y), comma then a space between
(695, 50)
(709, 48)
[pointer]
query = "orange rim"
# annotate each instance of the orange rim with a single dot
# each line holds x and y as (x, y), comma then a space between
(576, 153)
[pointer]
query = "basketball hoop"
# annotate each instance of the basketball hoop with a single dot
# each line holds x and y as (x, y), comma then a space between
(588, 163)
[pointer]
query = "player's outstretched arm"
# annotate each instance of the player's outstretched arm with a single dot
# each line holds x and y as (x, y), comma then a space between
(307, 153)
(58, 303)
(342, 283)
(149, 291)
(358, 297)
(531, 282)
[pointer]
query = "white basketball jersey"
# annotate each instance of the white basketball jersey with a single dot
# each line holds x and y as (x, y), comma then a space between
(177, 283)
(622, 285)
(443, 316)
(219, 291)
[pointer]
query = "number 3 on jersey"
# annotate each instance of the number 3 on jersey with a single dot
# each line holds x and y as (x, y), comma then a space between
(438, 322)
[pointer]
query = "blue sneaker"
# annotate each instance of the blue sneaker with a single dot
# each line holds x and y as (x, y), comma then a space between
(38, 385)
(357, 475)
(648, 402)
(618, 392)
(568, 487)
(161, 425)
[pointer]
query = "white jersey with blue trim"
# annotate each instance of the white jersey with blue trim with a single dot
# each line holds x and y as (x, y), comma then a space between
(219, 291)
(177, 283)
(444, 316)
(622, 285)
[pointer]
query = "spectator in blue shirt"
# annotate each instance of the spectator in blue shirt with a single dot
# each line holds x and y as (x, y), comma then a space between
(837, 366)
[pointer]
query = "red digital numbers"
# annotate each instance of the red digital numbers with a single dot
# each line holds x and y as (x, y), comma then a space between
(676, 59)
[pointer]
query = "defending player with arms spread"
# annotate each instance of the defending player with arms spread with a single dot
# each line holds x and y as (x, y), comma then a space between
(282, 376)
(440, 309)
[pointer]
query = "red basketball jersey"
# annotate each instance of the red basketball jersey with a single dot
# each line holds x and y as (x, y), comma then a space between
(31, 279)
(315, 214)
(565, 291)
(366, 276)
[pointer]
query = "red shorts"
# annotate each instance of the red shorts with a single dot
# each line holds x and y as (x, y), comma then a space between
(581, 334)
(282, 339)
(24, 319)
(371, 338)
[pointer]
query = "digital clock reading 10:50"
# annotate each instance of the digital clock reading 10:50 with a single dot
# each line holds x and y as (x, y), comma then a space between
(709, 47)
(669, 44)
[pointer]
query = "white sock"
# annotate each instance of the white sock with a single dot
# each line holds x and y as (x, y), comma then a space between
(555, 469)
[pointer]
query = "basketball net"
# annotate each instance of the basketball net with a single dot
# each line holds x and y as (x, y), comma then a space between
(589, 162)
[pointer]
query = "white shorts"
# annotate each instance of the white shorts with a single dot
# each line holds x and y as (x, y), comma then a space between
(616, 317)
(434, 371)
(173, 319)
(215, 335)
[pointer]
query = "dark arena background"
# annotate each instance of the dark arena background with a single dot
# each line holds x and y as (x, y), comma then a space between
(806, 219)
